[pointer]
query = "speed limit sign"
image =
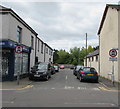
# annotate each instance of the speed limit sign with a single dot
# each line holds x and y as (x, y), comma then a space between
(18, 49)
(113, 53)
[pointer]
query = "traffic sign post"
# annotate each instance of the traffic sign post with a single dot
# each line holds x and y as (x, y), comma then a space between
(113, 54)
(18, 50)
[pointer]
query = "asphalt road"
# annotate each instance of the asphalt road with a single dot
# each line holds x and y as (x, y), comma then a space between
(62, 90)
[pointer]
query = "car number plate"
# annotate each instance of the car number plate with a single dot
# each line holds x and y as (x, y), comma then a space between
(36, 75)
(90, 74)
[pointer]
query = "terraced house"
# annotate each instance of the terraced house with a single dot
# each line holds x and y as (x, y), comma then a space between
(15, 31)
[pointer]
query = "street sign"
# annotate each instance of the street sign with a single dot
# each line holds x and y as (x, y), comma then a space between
(18, 49)
(112, 58)
(113, 52)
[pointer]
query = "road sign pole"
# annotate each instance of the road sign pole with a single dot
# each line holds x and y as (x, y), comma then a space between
(113, 72)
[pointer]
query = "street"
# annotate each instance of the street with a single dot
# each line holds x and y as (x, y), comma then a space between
(61, 90)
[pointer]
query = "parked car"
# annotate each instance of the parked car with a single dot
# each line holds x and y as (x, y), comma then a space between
(56, 68)
(52, 70)
(62, 67)
(88, 73)
(76, 69)
(40, 70)
(72, 67)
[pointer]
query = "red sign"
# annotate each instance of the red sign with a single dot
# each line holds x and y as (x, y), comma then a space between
(18, 49)
(113, 53)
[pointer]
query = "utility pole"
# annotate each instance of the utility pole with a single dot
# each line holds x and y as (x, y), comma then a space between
(86, 51)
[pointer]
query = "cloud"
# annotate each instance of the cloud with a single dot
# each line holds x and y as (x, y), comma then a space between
(63, 24)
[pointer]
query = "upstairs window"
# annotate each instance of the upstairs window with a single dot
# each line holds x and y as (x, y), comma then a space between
(38, 45)
(19, 34)
(32, 42)
(41, 47)
(47, 50)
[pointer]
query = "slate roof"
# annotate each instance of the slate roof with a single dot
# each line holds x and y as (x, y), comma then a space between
(94, 53)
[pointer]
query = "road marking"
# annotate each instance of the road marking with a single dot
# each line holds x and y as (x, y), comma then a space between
(68, 87)
(91, 103)
(105, 89)
(66, 78)
(27, 87)
(53, 88)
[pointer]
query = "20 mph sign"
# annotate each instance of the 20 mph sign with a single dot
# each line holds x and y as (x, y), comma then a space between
(113, 53)
(18, 49)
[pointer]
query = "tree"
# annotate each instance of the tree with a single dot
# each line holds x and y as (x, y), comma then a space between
(55, 56)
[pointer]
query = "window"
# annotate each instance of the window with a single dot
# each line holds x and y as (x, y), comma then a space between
(89, 59)
(32, 42)
(38, 45)
(96, 58)
(92, 58)
(41, 47)
(19, 34)
(49, 52)
(46, 50)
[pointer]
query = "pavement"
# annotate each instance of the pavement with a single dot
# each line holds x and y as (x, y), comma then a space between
(13, 85)
(108, 84)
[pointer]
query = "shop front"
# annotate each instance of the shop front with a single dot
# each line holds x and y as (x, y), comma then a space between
(10, 63)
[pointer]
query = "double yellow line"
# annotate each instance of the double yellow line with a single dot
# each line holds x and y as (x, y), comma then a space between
(27, 87)
(109, 90)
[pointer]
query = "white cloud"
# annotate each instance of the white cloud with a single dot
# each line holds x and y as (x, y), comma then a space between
(62, 24)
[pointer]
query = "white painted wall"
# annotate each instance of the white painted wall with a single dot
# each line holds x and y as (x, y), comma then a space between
(108, 40)
(4, 21)
(93, 63)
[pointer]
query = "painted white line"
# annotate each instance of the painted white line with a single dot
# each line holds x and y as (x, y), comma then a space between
(103, 85)
(92, 103)
(66, 78)
(68, 87)
(53, 88)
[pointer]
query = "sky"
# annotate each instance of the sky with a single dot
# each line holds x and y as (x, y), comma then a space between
(62, 24)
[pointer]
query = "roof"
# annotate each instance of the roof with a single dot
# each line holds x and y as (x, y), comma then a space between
(48, 46)
(94, 53)
(4, 10)
(113, 6)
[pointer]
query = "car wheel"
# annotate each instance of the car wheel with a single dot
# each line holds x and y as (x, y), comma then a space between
(81, 80)
(96, 81)
(47, 78)
(77, 77)
(30, 78)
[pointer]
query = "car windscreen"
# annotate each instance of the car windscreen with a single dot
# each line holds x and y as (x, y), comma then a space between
(55, 66)
(78, 67)
(89, 70)
(42, 66)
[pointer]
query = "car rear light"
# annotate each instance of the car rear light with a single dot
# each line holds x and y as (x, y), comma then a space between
(97, 74)
(82, 73)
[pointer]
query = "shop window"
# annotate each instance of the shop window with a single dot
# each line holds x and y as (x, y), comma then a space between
(19, 34)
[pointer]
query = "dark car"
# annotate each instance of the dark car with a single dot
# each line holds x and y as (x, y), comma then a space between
(40, 70)
(72, 67)
(88, 73)
(52, 70)
(56, 68)
(76, 69)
